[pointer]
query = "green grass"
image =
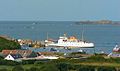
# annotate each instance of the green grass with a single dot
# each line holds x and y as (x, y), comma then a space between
(96, 61)
(10, 67)
(6, 67)
(82, 63)
(30, 65)
(100, 64)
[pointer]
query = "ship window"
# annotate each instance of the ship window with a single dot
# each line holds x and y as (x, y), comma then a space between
(64, 40)
(56, 41)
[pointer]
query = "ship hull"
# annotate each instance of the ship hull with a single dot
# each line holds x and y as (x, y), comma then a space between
(89, 45)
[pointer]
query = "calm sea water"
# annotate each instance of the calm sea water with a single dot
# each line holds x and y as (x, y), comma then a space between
(104, 36)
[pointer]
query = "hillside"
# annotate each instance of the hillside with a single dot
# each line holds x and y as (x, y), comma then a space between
(8, 44)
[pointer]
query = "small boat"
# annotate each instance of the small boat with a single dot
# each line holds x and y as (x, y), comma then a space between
(116, 48)
(81, 51)
(53, 49)
(116, 52)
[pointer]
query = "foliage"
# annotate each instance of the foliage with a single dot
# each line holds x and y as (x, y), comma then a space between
(37, 63)
(33, 69)
(18, 68)
(8, 44)
(115, 60)
(49, 67)
(25, 62)
(67, 64)
(1, 57)
(86, 68)
(3, 70)
(8, 62)
(96, 58)
(106, 69)
(63, 66)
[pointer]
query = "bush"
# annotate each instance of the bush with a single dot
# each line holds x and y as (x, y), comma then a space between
(97, 58)
(86, 68)
(33, 69)
(63, 66)
(1, 57)
(106, 69)
(8, 44)
(49, 67)
(8, 62)
(117, 60)
(18, 68)
(38, 63)
(24, 62)
(3, 70)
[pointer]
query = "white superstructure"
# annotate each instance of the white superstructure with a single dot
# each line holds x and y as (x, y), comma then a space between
(70, 42)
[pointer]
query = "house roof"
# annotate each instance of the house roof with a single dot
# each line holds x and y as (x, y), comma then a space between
(47, 53)
(23, 53)
(16, 56)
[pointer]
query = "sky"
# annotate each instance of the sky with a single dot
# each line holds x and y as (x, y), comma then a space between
(59, 10)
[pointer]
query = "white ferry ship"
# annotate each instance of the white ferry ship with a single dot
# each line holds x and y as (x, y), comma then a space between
(71, 42)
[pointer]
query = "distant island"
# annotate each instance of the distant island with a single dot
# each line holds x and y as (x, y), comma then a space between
(98, 22)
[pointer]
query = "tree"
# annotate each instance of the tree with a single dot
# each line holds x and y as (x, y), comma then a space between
(63, 66)
(1, 57)
(8, 44)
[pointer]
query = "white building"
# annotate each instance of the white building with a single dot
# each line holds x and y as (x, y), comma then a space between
(13, 57)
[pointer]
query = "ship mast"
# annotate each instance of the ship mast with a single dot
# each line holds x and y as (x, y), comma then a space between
(47, 35)
(65, 34)
(82, 34)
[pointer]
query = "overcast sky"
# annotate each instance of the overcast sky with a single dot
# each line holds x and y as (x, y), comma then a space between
(59, 10)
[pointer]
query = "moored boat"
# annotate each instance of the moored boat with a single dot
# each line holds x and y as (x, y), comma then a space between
(116, 48)
(70, 42)
(115, 52)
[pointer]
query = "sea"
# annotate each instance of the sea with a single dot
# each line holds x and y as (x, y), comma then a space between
(104, 36)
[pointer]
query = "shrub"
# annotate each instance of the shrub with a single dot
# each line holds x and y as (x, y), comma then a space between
(38, 63)
(1, 57)
(33, 69)
(18, 68)
(3, 70)
(49, 67)
(24, 62)
(106, 69)
(86, 68)
(8, 62)
(63, 66)
(8, 44)
(97, 58)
